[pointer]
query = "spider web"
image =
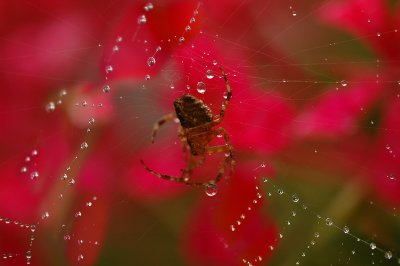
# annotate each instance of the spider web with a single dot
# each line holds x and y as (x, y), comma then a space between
(323, 216)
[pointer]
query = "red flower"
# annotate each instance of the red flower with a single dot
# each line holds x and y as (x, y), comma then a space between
(78, 208)
(364, 107)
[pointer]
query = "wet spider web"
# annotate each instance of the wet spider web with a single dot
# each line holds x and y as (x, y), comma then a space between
(313, 218)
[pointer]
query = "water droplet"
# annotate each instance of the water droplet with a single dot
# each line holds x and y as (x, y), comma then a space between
(172, 86)
(391, 176)
(45, 215)
(328, 221)
(24, 169)
(378, 34)
(295, 198)
(181, 39)
(91, 121)
(115, 48)
(343, 83)
(280, 191)
(316, 235)
(109, 69)
(148, 7)
(151, 61)
(71, 182)
(80, 257)
(346, 230)
(50, 107)
(388, 255)
(64, 176)
(119, 39)
(106, 88)
(33, 228)
(188, 28)
(34, 175)
(210, 74)
(293, 213)
(372, 245)
(7, 220)
(201, 87)
(78, 214)
(89, 204)
(28, 254)
(211, 190)
(84, 145)
(84, 103)
(233, 228)
(147, 77)
(192, 20)
(142, 20)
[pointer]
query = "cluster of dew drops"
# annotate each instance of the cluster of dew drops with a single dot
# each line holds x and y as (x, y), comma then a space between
(31, 231)
(329, 222)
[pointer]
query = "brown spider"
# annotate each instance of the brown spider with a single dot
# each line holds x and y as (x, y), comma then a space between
(196, 131)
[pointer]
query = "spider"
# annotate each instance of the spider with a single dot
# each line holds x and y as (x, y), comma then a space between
(196, 130)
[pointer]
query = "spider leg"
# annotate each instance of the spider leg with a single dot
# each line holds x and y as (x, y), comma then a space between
(184, 145)
(226, 99)
(165, 118)
(192, 163)
(228, 144)
(171, 178)
(227, 150)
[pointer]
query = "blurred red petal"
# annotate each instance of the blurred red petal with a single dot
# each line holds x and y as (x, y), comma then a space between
(88, 231)
(139, 183)
(386, 172)
(339, 111)
(368, 19)
(163, 26)
(214, 236)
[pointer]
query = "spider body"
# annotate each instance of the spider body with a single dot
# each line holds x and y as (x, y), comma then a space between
(195, 118)
(196, 131)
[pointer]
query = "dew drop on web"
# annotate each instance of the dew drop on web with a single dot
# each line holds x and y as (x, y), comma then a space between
(210, 74)
(148, 6)
(151, 61)
(109, 69)
(84, 145)
(201, 87)
(346, 229)
(211, 190)
(142, 20)
(106, 88)
(328, 222)
(50, 107)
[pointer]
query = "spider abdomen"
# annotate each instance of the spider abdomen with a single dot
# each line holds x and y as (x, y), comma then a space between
(192, 112)
(198, 139)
